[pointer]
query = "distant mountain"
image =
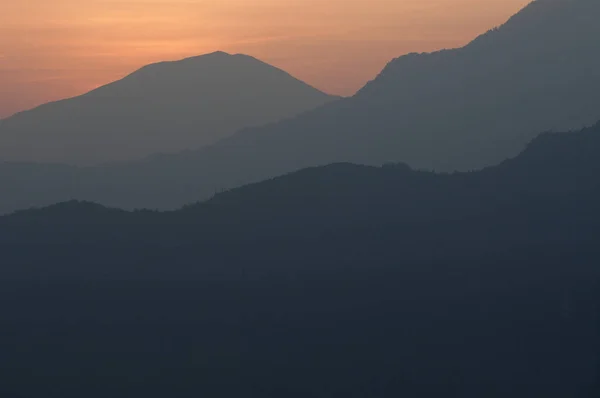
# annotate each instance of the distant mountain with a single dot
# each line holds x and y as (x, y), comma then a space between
(457, 109)
(161, 108)
(554, 168)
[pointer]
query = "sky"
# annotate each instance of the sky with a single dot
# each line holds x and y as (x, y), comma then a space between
(53, 49)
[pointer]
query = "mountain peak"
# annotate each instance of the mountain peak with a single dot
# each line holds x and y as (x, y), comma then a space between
(207, 60)
(218, 53)
(165, 107)
(214, 54)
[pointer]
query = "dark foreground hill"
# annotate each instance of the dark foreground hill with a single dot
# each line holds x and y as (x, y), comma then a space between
(341, 281)
(162, 108)
(456, 109)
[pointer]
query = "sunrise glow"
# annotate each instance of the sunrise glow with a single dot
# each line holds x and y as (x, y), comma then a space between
(59, 48)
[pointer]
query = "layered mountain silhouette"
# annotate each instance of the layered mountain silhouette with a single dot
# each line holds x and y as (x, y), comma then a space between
(458, 109)
(308, 274)
(161, 108)
(554, 167)
(339, 281)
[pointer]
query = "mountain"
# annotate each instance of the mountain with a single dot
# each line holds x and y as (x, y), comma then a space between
(553, 167)
(458, 109)
(161, 108)
(337, 281)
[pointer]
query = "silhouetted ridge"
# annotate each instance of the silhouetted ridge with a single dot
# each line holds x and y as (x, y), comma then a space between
(337, 281)
(573, 147)
(460, 109)
(74, 211)
(345, 195)
(543, 29)
(164, 107)
(527, 24)
(201, 63)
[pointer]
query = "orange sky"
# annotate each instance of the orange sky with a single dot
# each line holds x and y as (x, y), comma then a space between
(51, 49)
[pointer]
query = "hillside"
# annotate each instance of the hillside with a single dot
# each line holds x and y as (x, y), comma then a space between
(554, 167)
(340, 281)
(459, 109)
(162, 108)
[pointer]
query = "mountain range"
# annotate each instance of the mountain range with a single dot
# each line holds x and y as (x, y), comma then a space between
(429, 237)
(460, 109)
(161, 108)
(554, 167)
(341, 281)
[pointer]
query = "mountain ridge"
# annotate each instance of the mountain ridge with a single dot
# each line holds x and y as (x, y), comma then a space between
(461, 109)
(162, 107)
(552, 165)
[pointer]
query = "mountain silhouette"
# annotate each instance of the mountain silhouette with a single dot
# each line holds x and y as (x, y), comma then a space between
(554, 166)
(338, 281)
(382, 279)
(455, 109)
(458, 109)
(161, 108)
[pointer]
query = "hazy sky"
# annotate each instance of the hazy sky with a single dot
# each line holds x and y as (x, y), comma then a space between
(51, 49)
